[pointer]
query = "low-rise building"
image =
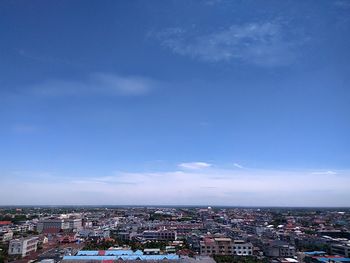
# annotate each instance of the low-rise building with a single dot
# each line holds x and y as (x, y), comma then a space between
(6, 235)
(342, 249)
(91, 232)
(279, 249)
(225, 246)
(159, 235)
(23, 246)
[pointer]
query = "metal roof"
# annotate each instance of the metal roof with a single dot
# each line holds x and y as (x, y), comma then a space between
(118, 255)
(333, 259)
(314, 252)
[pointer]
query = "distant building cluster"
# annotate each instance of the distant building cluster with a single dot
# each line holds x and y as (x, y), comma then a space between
(184, 235)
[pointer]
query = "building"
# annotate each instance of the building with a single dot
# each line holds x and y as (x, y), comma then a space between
(23, 246)
(118, 255)
(75, 223)
(225, 246)
(279, 249)
(306, 256)
(90, 232)
(151, 251)
(242, 248)
(51, 225)
(6, 235)
(159, 235)
(56, 225)
(47, 261)
(342, 249)
(5, 223)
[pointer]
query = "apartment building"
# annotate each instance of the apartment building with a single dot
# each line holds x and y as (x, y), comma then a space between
(23, 246)
(278, 249)
(225, 246)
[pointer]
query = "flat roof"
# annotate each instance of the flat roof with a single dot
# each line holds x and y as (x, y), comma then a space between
(222, 239)
(335, 259)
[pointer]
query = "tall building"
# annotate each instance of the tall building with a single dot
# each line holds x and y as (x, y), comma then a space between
(55, 225)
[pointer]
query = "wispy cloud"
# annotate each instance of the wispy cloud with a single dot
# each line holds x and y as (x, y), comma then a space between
(324, 173)
(263, 44)
(96, 84)
(194, 165)
(238, 165)
(342, 4)
(235, 187)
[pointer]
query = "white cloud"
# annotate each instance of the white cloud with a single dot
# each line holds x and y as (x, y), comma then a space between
(96, 84)
(211, 186)
(238, 165)
(324, 173)
(194, 165)
(261, 44)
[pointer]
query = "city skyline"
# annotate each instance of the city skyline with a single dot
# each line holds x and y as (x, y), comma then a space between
(214, 102)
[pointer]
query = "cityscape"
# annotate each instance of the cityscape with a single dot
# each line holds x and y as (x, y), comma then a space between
(174, 131)
(174, 234)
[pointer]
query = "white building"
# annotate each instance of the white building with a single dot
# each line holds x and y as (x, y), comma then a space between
(242, 248)
(75, 223)
(90, 232)
(6, 235)
(23, 246)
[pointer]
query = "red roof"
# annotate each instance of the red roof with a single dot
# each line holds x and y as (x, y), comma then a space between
(2, 223)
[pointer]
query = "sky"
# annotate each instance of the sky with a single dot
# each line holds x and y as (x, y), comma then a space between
(206, 102)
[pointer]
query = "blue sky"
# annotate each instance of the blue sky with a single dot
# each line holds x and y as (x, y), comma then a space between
(175, 102)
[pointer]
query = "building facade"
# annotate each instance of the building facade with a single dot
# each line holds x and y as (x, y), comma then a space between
(225, 246)
(342, 249)
(23, 246)
(159, 235)
(279, 249)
